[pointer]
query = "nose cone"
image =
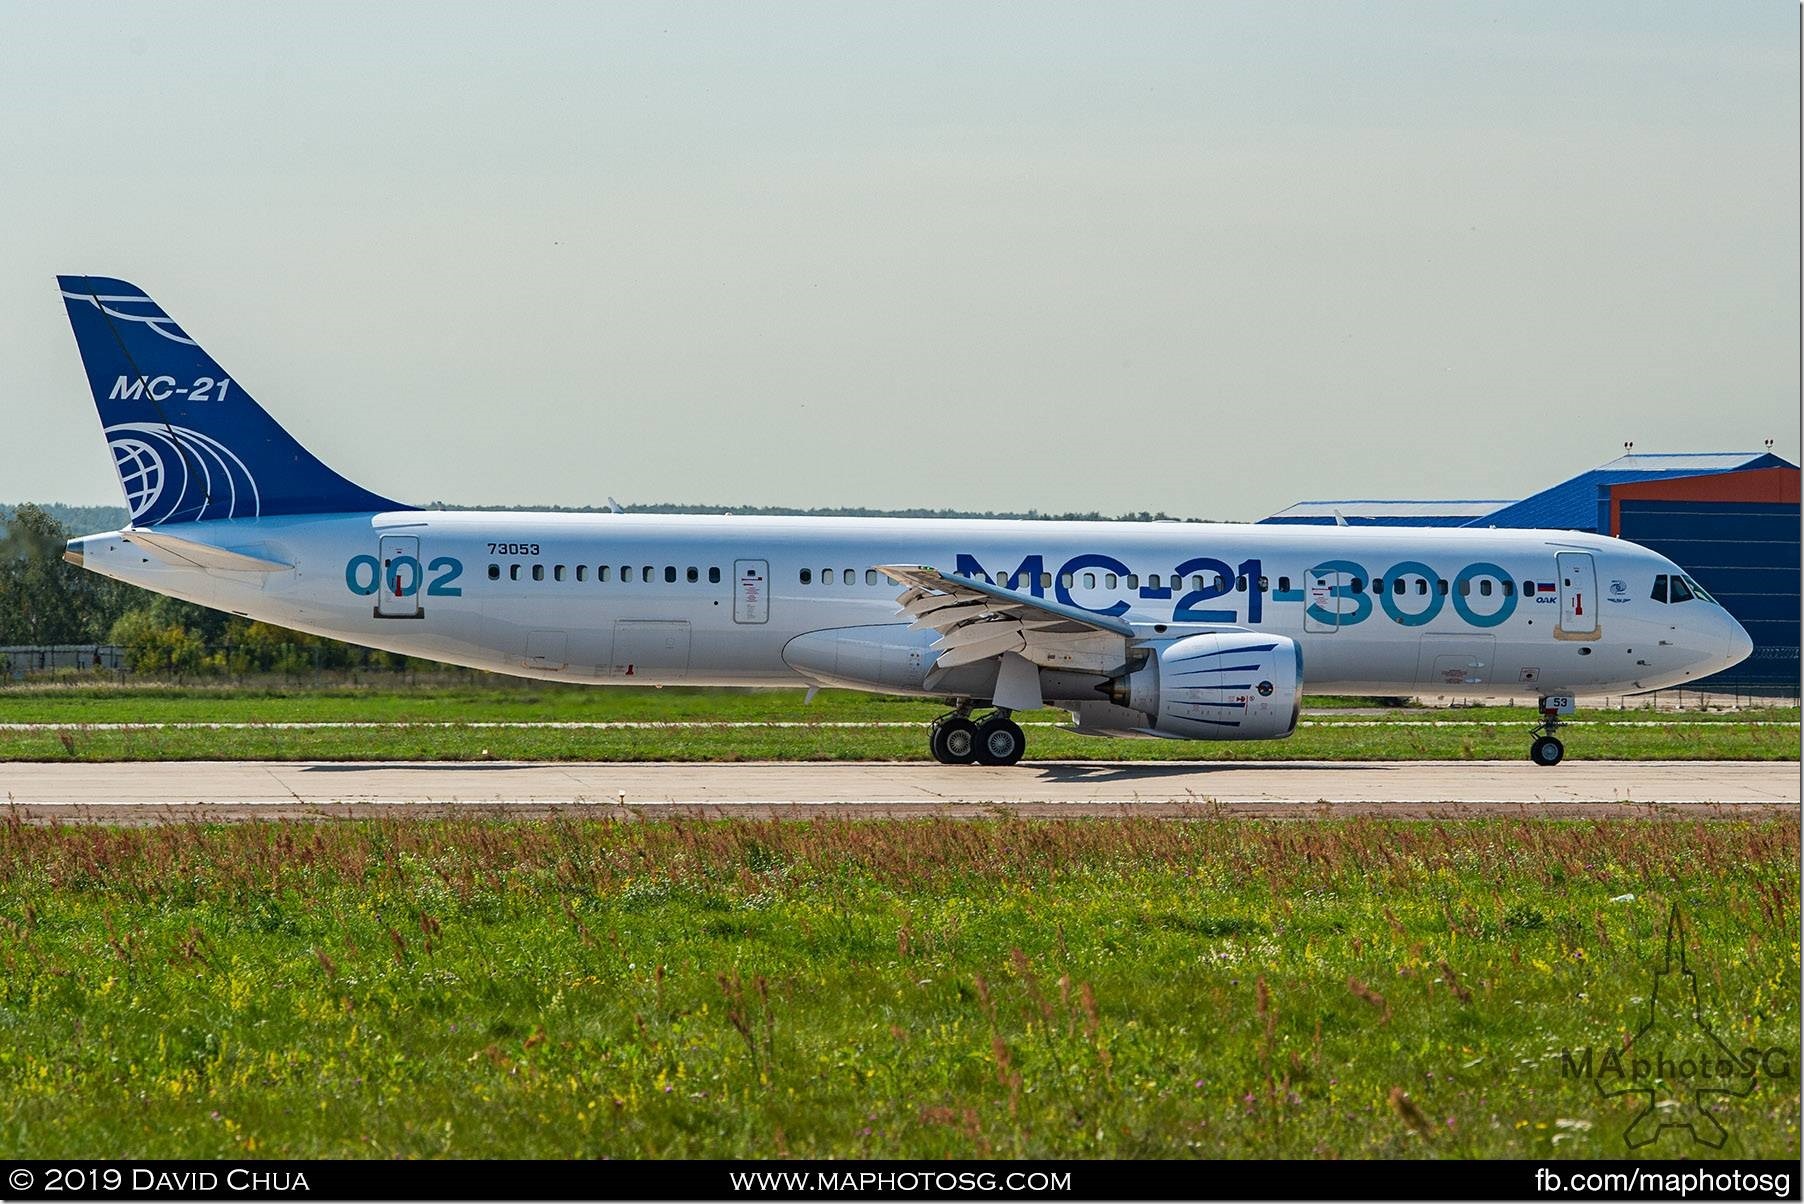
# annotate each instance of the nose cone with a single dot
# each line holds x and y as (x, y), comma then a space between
(1741, 646)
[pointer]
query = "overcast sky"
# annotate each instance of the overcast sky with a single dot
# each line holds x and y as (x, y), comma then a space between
(1206, 258)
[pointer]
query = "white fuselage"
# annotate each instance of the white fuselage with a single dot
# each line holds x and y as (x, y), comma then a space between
(726, 594)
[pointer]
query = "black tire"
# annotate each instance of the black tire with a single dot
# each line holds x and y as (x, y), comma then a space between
(954, 741)
(1000, 742)
(1546, 751)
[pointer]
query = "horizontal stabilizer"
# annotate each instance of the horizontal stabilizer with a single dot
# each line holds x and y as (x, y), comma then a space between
(202, 555)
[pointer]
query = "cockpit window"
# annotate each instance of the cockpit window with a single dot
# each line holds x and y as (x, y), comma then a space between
(1659, 594)
(1699, 590)
(1680, 592)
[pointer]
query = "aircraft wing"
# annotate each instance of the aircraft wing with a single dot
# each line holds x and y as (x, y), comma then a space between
(977, 620)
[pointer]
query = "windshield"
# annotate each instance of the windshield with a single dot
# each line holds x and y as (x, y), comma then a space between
(1697, 589)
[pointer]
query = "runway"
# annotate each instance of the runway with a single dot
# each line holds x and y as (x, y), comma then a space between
(189, 791)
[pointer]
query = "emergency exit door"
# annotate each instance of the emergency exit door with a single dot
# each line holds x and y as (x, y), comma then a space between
(751, 591)
(1325, 601)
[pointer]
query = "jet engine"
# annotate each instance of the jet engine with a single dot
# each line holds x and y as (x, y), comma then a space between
(1221, 685)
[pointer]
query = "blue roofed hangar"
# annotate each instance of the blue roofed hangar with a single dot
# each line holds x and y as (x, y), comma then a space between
(1729, 518)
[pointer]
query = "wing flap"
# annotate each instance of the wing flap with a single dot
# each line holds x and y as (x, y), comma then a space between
(978, 621)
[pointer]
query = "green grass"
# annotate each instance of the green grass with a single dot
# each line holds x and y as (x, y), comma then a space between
(1333, 734)
(1081, 988)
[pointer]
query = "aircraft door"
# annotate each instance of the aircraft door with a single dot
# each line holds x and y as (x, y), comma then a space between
(400, 577)
(1323, 600)
(655, 650)
(1578, 595)
(751, 591)
(545, 650)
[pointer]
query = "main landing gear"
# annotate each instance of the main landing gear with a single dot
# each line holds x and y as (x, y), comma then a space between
(1547, 749)
(995, 739)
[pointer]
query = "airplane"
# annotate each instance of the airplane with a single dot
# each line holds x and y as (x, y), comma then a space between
(1188, 631)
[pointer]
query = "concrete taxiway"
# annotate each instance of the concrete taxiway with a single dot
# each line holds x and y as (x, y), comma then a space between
(186, 791)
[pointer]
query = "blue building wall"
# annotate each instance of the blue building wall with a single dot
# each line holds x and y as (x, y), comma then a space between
(1746, 554)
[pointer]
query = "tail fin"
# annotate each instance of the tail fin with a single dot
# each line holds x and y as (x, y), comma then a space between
(188, 441)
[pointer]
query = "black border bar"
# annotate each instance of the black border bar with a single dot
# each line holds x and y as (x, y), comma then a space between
(815, 1179)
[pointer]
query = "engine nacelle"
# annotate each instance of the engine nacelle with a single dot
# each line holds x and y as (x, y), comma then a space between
(1222, 685)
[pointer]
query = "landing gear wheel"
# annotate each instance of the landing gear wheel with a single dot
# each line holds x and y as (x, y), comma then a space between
(954, 741)
(1000, 742)
(1546, 751)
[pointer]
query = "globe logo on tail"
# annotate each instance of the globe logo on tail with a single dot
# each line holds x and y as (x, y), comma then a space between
(175, 474)
(140, 472)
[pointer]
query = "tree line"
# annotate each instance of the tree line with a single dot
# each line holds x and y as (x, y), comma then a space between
(45, 600)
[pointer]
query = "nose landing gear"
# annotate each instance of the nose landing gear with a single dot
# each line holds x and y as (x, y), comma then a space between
(997, 739)
(1547, 749)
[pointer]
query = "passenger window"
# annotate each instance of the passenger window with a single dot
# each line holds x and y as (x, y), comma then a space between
(601, 572)
(826, 576)
(1110, 581)
(1067, 580)
(713, 574)
(849, 577)
(1441, 585)
(1378, 585)
(582, 572)
(1133, 581)
(1398, 585)
(870, 576)
(626, 572)
(807, 576)
(538, 572)
(1265, 584)
(1681, 592)
(693, 575)
(513, 572)
(1152, 581)
(1221, 584)
(647, 575)
(557, 573)
(1045, 580)
(1421, 585)
(1240, 583)
(1089, 580)
(1484, 588)
(1196, 582)
(1528, 589)
(1359, 586)
(1509, 589)
(1283, 583)
(1465, 589)
(494, 572)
